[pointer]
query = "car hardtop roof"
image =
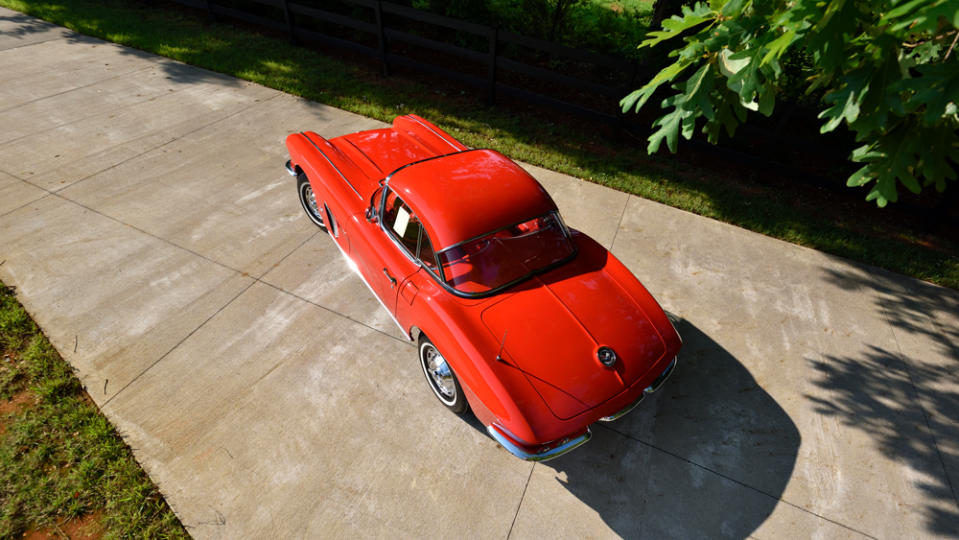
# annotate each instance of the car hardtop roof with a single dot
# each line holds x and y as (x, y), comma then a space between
(467, 194)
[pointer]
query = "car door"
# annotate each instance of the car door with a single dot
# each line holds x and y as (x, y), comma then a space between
(388, 252)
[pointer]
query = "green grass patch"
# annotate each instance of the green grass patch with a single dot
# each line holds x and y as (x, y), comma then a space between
(60, 459)
(796, 214)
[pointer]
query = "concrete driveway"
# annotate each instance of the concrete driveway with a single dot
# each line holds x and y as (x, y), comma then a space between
(150, 229)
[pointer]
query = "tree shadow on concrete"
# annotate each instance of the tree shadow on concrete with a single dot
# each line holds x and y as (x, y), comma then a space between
(25, 25)
(176, 71)
(910, 305)
(708, 455)
(907, 403)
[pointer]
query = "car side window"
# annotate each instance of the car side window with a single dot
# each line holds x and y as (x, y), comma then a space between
(401, 223)
(426, 251)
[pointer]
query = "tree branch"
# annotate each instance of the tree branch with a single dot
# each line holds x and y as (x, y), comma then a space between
(951, 47)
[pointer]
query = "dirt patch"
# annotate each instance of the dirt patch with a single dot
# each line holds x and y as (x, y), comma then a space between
(14, 405)
(87, 527)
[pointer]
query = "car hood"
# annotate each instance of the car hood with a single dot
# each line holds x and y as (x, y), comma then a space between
(553, 328)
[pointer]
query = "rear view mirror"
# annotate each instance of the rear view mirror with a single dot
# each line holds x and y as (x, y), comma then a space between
(371, 209)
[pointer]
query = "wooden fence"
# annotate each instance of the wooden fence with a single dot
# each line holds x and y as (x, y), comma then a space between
(496, 62)
(574, 81)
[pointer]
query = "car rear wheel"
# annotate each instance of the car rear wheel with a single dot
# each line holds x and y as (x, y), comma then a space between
(314, 210)
(440, 377)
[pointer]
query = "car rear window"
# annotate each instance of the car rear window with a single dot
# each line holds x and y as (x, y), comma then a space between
(506, 256)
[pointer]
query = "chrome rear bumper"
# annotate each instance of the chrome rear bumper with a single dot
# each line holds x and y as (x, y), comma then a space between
(517, 451)
(656, 385)
(289, 168)
(571, 444)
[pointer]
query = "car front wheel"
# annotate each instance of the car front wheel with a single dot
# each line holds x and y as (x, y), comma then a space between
(314, 210)
(441, 378)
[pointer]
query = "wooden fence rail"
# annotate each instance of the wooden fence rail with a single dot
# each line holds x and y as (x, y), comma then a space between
(388, 33)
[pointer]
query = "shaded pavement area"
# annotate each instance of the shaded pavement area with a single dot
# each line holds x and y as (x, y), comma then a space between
(148, 226)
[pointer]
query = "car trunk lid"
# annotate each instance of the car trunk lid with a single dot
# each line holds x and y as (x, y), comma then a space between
(554, 325)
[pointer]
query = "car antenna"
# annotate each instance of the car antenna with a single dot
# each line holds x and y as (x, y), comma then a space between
(499, 355)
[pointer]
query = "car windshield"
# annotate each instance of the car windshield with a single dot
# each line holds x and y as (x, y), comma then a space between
(506, 256)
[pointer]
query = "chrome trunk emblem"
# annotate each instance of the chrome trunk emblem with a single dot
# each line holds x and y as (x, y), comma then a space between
(607, 356)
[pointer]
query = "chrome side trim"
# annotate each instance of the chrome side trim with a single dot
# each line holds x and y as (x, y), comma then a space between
(512, 448)
(328, 160)
(362, 153)
(413, 118)
(289, 168)
(657, 384)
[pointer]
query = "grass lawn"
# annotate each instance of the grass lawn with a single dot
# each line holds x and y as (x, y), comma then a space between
(800, 214)
(64, 471)
(636, 6)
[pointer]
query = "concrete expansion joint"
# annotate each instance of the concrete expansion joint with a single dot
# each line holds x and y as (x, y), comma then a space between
(151, 235)
(32, 43)
(73, 89)
(176, 346)
(253, 280)
(158, 146)
(259, 279)
(619, 224)
(334, 312)
(12, 210)
(521, 499)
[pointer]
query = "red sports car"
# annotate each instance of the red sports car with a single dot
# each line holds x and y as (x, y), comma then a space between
(533, 325)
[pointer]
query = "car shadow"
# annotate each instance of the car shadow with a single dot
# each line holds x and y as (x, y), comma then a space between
(709, 454)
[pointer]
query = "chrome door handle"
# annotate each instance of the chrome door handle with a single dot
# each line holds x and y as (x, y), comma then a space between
(389, 277)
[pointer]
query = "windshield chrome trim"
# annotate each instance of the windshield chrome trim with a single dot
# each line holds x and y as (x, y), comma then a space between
(381, 210)
(431, 158)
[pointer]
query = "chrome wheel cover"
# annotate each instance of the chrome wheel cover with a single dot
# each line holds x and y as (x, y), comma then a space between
(438, 373)
(309, 203)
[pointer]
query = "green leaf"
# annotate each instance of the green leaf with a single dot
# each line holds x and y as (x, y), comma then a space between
(733, 8)
(832, 8)
(767, 100)
(925, 52)
(694, 83)
(942, 156)
(845, 101)
(779, 46)
(892, 159)
(921, 16)
(675, 25)
(725, 115)
(933, 90)
(639, 97)
(730, 63)
(903, 9)
(689, 127)
(669, 127)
